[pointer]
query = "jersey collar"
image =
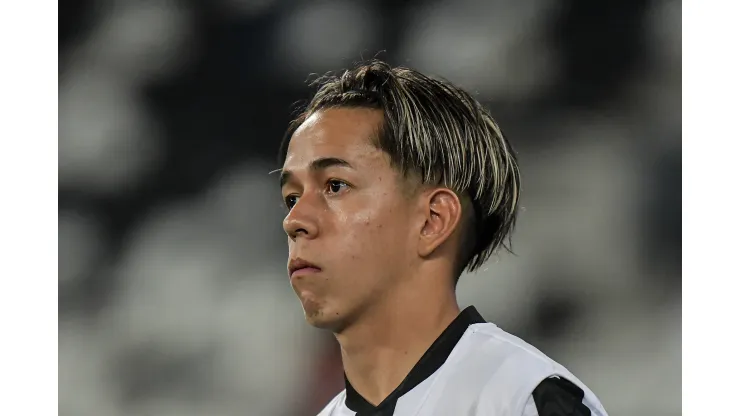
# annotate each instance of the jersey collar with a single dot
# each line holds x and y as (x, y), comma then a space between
(430, 362)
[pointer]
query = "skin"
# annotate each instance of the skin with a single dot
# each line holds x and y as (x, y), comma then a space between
(386, 248)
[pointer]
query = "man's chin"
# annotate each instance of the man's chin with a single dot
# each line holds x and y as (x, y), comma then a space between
(323, 319)
(320, 320)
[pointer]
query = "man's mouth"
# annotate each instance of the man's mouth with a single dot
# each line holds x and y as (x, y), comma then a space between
(300, 267)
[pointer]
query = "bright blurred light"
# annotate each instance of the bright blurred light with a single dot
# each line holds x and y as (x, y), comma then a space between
(585, 222)
(140, 40)
(195, 277)
(79, 246)
(85, 386)
(320, 36)
(492, 48)
(107, 140)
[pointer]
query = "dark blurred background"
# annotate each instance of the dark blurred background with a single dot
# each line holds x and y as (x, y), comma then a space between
(173, 295)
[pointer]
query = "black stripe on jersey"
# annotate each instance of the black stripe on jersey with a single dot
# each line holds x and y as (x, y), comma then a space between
(559, 397)
(430, 362)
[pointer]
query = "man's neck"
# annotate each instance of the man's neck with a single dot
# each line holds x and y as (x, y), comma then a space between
(380, 350)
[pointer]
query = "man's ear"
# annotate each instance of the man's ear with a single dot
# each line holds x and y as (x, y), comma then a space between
(443, 214)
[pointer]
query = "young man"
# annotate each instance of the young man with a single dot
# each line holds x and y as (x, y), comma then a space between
(395, 184)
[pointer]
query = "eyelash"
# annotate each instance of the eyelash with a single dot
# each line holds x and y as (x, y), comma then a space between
(287, 200)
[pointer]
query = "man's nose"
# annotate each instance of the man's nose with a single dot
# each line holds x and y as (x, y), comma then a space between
(302, 219)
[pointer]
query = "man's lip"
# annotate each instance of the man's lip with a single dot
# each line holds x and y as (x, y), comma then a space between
(303, 271)
(300, 265)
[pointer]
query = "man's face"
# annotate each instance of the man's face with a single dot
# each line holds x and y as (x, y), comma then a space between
(348, 216)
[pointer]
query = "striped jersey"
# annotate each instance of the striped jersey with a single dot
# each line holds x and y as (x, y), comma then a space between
(474, 369)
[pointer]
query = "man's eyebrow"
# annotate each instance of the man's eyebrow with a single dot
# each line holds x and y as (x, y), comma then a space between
(315, 165)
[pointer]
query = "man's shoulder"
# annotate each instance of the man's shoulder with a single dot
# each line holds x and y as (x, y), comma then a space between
(557, 396)
(513, 369)
(488, 341)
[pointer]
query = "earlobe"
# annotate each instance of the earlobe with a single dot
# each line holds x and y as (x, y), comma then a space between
(443, 212)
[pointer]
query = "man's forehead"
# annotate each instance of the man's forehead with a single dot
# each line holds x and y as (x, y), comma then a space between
(342, 133)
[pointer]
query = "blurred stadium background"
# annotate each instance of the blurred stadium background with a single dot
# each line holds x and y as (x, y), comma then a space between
(173, 295)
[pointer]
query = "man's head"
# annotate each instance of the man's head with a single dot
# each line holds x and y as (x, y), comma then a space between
(388, 173)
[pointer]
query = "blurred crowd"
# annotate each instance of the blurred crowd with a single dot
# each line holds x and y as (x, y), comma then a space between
(173, 294)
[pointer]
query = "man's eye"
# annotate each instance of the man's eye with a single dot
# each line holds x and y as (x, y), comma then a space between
(290, 201)
(336, 186)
